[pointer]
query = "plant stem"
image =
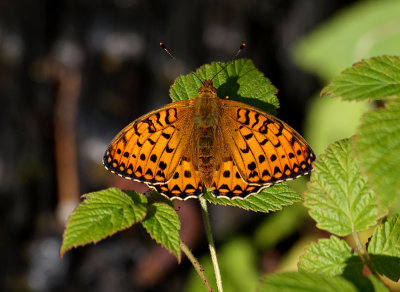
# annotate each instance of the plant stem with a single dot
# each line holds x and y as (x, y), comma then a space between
(207, 226)
(196, 265)
(363, 253)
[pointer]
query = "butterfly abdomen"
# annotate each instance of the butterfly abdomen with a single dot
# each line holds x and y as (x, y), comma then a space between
(206, 159)
(207, 113)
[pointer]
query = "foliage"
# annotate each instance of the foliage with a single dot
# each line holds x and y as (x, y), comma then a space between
(105, 212)
(348, 204)
(352, 187)
(356, 180)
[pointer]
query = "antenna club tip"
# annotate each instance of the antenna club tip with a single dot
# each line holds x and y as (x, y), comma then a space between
(243, 45)
(162, 45)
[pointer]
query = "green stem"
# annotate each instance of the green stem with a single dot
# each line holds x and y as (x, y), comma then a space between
(207, 226)
(196, 265)
(363, 253)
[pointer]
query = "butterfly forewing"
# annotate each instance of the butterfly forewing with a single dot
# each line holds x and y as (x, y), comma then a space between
(150, 148)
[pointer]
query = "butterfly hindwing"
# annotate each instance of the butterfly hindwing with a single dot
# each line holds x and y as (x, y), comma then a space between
(185, 182)
(228, 182)
(150, 148)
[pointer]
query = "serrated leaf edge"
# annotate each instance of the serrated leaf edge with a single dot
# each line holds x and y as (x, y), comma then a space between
(86, 196)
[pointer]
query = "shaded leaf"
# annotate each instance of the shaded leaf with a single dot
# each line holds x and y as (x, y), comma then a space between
(368, 284)
(102, 214)
(384, 248)
(162, 223)
(269, 199)
(338, 196)
(374, 78)
(378, 148)
(240, 80)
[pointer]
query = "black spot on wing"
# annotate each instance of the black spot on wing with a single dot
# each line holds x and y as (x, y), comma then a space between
(153, 158)
(251, 166)
(165, 135)
(162, 165)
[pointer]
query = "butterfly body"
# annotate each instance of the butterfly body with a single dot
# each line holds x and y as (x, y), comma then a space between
(207, 110)
(189, 146)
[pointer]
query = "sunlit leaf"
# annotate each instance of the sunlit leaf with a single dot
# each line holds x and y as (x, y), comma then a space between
(269, 199)
(102, 214)
(163, 224)
(374, 78)
(338, 196)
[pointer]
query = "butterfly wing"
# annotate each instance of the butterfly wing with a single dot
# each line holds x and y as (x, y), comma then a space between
(185, 182)
(150, 149)
(263, 150)
(228, 182)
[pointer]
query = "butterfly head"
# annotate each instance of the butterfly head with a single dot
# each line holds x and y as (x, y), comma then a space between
(207, 88)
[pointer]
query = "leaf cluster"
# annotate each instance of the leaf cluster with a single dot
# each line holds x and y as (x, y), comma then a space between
(352, 188)
(105, 212)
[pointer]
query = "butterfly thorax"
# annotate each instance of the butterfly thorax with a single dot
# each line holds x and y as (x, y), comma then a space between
(207, 112)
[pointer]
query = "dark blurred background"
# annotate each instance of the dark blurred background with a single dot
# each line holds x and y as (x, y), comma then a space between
(73, 73)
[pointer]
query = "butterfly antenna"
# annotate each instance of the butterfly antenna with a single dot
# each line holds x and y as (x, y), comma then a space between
(232, 60)
(164, 47)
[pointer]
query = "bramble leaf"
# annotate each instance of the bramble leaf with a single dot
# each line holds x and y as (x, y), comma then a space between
(338, 196)
(384, 248)
(331, 257)
(375, 78)
(269, 199)
(378, 149)
(240, 80)
(102, 214)
(162, 223)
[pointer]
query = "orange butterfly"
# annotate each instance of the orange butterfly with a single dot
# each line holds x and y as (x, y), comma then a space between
(206, 142)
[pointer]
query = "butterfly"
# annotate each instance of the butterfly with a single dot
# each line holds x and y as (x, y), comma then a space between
(189, 146)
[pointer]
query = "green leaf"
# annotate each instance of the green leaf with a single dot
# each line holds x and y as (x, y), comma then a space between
(307, 282)
(374, 78)
(102, 214)
(331, 257)
(240, 80)
(269, 199)
(384, 248)
(162, 223)
(338, 196)
(378, 148)
(334, 257)
(361, 30)
(369, 284)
